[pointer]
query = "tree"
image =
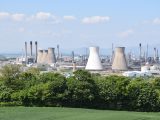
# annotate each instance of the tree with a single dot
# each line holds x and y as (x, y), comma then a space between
(112, 91)
(81, 89)
(10, 76)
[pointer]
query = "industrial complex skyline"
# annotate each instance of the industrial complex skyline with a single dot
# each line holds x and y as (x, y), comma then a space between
(75, 24)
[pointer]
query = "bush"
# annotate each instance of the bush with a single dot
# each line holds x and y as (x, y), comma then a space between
(83, 89)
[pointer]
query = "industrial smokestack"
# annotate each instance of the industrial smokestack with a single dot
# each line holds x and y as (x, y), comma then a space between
(58, 52)
(147, 53)
(72, 56)
(39, 57)
(94, 62)
(51, 56)
(140, 51)
(155, 56)
(119, 62)
(44, 57)
(31, 48)
(36, 46)
(26, 51)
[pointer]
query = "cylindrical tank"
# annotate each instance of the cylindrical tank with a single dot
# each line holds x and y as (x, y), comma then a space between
(119, 62)
(94, 61)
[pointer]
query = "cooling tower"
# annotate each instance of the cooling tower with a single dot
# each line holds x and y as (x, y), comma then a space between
(94, 62)
(51, 56)
(44, 59)
(119, 62)
(40, 55)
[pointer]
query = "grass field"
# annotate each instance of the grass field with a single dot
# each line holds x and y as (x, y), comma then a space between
(44, 113)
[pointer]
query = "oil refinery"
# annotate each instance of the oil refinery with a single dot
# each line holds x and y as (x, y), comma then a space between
(119, 62)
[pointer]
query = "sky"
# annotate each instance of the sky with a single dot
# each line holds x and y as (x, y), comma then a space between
(78, 23)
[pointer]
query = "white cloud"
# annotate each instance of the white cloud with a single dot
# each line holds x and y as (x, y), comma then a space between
(4, 15)
(126, 33)
(43, 16)
(69, 18)
(95, 19)
(40, 16)
(156, 21)
(18, 17)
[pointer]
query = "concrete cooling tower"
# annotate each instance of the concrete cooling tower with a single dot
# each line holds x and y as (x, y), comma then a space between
(51, 56)
(94, 62)
(44, 59)
(119, 62)
(39, 57)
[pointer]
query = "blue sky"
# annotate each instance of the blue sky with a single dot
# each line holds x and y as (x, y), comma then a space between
(78, 23)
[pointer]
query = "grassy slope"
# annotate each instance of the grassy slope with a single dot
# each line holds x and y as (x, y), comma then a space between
(35, 113)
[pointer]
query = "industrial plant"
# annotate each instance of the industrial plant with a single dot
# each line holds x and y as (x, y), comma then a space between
(119, 62)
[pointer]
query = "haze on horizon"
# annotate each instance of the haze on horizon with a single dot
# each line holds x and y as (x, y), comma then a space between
(75, 24)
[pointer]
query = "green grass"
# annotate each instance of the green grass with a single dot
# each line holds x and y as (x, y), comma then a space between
(53, 113)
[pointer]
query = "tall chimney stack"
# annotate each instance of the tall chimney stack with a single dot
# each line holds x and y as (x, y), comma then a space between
(140, 51)
(147, 53)
(58, 52)
(155, 54)
(26, 51)
(72, 56)
(31, 48)
(36, 51)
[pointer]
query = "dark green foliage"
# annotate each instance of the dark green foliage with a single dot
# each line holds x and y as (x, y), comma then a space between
(5, 93)
(83, 89)
(113, 92)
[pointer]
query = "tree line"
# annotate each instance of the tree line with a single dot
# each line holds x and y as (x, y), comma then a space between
(83, 89)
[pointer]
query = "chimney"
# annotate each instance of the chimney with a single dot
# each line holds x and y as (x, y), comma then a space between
(36, 51)
(147, 53)
(72, 56)
(31, 48)
(94, 61)
(26, 51)
(58, 52)
(155, 55)
(140, 51)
